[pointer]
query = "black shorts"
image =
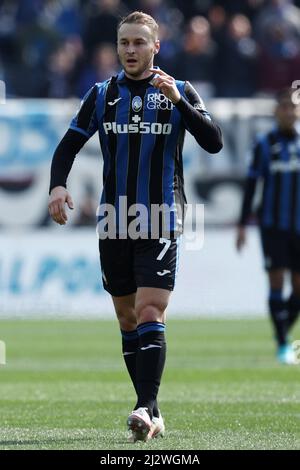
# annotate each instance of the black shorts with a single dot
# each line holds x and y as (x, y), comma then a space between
(127, 264)
(281, 249)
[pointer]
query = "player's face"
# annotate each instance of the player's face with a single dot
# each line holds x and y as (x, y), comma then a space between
(287, 113)
(136, 49)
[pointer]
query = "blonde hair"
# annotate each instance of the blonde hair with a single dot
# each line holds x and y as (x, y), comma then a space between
(139, 17)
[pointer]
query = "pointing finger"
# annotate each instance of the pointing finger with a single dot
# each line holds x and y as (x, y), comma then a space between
(159, 72)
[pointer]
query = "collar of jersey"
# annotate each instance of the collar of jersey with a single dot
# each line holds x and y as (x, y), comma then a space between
(121, 78)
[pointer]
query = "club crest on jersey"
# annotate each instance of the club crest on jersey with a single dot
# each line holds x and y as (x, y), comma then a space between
(158, 101)
(137, 104)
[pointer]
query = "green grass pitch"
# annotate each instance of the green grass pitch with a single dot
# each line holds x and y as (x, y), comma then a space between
(65, 387)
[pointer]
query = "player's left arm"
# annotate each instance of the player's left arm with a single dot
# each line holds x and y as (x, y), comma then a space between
(196, 119)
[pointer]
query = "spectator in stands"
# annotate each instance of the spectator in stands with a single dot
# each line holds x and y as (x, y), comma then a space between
(158, 8)
(236, 63)
(266, 60)
(8, 53)
(281, 13)
(192, 8)
(33, 44)
(249, 8)
(279, 59)
(197, 58)
(101, 24)
(104, 65)
(27, 11)
(63, 16)
(61, 76)
(217, 18)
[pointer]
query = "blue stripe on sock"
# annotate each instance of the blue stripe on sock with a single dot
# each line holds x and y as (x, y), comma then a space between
(275, 294)
(150, 326)
(129, 335)
(147, 323)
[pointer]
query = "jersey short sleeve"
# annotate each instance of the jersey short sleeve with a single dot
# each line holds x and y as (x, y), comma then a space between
(85, 120)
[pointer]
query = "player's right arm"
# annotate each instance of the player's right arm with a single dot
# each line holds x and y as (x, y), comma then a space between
(255, 171)
(82, 127)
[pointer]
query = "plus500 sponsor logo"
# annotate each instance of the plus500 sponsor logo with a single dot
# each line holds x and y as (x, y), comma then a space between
(140, 128)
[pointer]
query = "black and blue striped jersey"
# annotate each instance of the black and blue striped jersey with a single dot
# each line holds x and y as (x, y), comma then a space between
(141, 135)
(276, 162)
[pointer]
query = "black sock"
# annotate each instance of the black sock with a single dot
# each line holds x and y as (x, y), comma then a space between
(293, 307)
(279, 316)
(130, 344)
(150, 364)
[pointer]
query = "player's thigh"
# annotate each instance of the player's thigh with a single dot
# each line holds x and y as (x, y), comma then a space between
(276, 278)
(156, 262)
(295, 281)
(276, 249)
(116, 258)
(151, 304)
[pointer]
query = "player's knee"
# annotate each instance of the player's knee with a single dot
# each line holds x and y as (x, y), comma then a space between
(296, 285)
(127, 318)
(127, 325)
(153, 311)
(276, 279)
(296, 291)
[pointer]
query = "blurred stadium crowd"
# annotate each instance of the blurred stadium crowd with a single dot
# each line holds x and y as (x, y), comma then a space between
(59, 48)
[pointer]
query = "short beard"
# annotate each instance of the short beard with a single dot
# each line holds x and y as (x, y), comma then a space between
(133, 74)
(145, 66)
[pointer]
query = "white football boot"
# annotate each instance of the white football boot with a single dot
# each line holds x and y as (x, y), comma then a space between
(140, 424)
(286, 355)
(158, 428)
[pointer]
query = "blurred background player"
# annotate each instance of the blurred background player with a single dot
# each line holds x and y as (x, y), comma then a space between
(276, 161)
